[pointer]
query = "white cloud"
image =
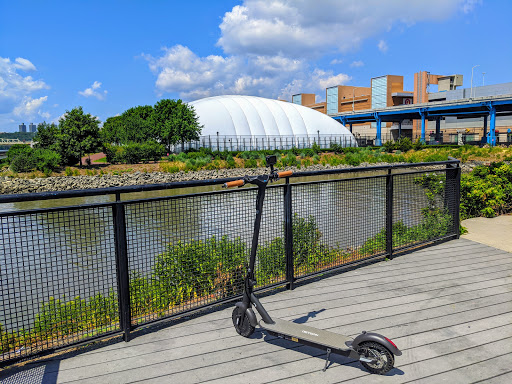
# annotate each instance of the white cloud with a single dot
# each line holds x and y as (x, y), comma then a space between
(24, 64)
(469, 5)
(356, 64)
(29, 106)
(45, 115)
(311, 28)
(94, 91)
(269, 44)
(17, 91)
(181, 70)
(383, 46)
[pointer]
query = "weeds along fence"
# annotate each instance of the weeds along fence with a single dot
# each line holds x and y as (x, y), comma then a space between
(78, 273)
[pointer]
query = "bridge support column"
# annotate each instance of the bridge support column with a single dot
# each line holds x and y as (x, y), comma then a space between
(438, 128)
(378, 138)
(422, 127)
(399, 129)
(350, 127)
(492, 126)
(484, 140)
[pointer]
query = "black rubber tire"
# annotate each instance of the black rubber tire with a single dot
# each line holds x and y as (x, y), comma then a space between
(375, 350)
(245, 329)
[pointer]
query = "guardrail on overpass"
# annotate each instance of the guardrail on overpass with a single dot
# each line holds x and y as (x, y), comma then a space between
(475, 107)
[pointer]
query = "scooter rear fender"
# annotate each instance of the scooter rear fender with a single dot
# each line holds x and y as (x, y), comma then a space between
(248, 312)
(377, 338)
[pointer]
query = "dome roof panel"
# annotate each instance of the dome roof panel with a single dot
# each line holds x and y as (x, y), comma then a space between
(256, 116)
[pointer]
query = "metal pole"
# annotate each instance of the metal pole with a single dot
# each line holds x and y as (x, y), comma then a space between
(471, 93)
(389, 214)
(288, 234)
(123, 281)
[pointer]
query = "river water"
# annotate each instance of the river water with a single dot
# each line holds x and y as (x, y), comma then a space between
(64, 254)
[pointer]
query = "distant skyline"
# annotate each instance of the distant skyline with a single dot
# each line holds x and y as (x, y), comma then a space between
(108, 56)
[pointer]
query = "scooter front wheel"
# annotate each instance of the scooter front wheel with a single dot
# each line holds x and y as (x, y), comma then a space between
(242, 324)
(384, 359)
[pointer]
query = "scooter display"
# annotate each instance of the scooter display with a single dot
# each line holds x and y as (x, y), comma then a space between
(375, 352)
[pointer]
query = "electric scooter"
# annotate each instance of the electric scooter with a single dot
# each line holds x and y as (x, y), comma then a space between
(376, 352)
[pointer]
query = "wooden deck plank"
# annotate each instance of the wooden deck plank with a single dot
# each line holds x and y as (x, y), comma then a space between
(449, 305)
(224, 324)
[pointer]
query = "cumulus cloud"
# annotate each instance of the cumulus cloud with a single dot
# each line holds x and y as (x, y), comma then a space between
(469, 5)
(16, 90)
(94, 91)
(383, 46)
(24, 64)
(356, 64)
(306, 27)
(181, 70)
(269, 45)
(29, 106)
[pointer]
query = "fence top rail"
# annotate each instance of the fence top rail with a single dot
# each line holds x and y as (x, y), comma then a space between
(197, 183)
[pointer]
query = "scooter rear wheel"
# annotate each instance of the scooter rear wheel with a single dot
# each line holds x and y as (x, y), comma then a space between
(384, 358)
(242, 327)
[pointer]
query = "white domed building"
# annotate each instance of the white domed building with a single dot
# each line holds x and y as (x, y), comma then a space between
(249, 122)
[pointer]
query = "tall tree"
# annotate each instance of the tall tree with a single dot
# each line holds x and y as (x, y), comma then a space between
(174, 122)
(79, 134)
(112, 130)
(46, 136)
(132, 126)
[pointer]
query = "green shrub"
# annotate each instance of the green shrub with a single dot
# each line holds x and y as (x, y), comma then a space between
(336, 148)
(133, 153)
(418, 144)
(17, 149)
(487, 191)
(404, 144)
(199, 268)
(68, 171)
(26, 159)
(289, 160)
(46, 160)
(24, 162)
(389, 146)
(316, 148)
(309, 152)
(250, 163)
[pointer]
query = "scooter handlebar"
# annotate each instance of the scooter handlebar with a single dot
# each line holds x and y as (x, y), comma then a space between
(236, 183)
(284, 174)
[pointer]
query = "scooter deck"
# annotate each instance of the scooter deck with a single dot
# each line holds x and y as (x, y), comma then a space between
(299, 332)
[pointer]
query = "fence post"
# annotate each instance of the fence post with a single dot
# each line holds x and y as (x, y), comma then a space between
(452, 195)
(389, 214)
(288, 234)
(123, 284)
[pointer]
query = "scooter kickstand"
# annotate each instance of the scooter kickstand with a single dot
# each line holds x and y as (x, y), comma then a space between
(327, 359)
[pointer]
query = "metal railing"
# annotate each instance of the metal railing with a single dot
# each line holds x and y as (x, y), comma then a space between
(78, 273)
(256, 143)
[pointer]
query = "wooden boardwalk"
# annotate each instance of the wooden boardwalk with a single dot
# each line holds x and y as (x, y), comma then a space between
(448, 308)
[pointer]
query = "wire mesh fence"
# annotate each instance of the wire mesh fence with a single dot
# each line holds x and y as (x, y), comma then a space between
(268, 142)
(58, 279)
(79, 273)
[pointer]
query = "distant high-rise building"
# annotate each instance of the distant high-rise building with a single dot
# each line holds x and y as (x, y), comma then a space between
(23, 127)
(32, 127)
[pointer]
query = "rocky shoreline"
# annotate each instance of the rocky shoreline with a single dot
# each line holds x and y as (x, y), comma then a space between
(65, 183)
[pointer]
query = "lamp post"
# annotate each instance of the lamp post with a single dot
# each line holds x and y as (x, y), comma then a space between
(471, 93)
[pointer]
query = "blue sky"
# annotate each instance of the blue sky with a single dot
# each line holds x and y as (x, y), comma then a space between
(108, 56)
